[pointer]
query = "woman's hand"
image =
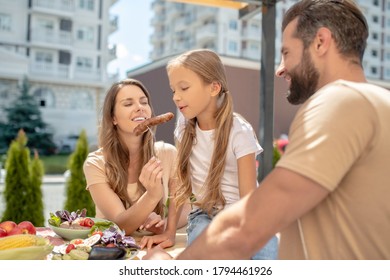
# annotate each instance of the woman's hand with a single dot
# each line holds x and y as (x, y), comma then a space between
(151, 178)
(164, 240)
(157, 253)
(154, 223)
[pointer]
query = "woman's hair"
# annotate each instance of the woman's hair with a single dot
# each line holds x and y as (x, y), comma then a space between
(115, 152)
(208, 66)
(343, 18)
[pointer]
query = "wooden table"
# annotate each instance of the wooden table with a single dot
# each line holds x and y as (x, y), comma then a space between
(181, 241)
(180, 244)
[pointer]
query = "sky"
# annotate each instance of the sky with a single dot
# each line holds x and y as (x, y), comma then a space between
(133, 35)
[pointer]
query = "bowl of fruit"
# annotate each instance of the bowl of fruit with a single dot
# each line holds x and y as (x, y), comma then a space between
(73, 225)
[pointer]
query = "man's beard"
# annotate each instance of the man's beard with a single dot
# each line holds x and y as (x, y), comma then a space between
(304, 80)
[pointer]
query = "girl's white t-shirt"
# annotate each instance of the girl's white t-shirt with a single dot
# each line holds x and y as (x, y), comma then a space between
(242, 141)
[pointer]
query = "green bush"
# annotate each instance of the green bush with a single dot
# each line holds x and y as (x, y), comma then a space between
(23, 194)
(77, 197)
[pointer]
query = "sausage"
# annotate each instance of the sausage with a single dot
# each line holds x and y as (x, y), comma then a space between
(142, 127)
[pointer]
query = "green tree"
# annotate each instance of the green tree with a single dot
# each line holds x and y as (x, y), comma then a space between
(23, 195)
(77, 197)
(25, 114)
(35, 205)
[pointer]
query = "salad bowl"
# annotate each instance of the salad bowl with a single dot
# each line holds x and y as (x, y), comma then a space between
(74, 233)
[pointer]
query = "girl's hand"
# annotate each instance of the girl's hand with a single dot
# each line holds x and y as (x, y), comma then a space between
(154, 223)
(164, 240)
(157, 253)
(151, 178)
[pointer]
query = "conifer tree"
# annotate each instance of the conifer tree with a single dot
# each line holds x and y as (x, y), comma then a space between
(25, 114)
(35, 205)
(21, 197)
(77, 197)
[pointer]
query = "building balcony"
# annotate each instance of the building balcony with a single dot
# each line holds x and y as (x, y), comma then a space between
(112, 52)
(251, 34)
(88, 74)
(113, 23)
(251, 54)
(206, 32)
(51, 70)
(205, 13)
(158, 20)
(61, 38)
(58, 7)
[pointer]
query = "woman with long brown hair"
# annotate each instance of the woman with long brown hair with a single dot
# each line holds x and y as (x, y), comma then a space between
(130, 177)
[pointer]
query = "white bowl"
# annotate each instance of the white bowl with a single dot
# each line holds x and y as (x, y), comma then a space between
(70, 233)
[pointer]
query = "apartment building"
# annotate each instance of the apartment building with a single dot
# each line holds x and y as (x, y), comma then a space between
(61, 46)
(179, 27)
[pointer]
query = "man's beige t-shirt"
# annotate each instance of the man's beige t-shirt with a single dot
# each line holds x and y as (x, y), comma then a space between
(340, 138)
(95, 172)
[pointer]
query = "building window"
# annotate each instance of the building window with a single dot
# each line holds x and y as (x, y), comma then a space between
(374, 53)
(254, 27)
(64, 57)
(375, 19)
(232, 46)
(375, 2)
(46, 24)
(85, 34)
(44, 57)
(375, 36)
(5, 22)
(87, 4)
(66, 25)
(254, 47)
(388, 56)
(44, 97)
(374, 70)
(84, 63)
(232, 24)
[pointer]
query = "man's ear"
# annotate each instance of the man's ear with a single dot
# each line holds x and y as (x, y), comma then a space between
(215, 88)
(323, 40)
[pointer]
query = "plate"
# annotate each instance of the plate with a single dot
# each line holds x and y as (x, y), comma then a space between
(69, 234)
(131, 254)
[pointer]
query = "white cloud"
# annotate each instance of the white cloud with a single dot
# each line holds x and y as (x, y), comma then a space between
(137, 58)
(121, 51)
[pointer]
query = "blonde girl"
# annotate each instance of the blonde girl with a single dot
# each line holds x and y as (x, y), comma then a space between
(217, 148)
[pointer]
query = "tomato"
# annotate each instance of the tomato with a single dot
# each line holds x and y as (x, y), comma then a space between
(99, 232)
(69, 248)
(76, 241)
(82, 222)
(88, 222)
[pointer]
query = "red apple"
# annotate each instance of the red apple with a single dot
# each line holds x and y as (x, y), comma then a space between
(27, 227)
(16, 230)
(3, 232)
(8, 225)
